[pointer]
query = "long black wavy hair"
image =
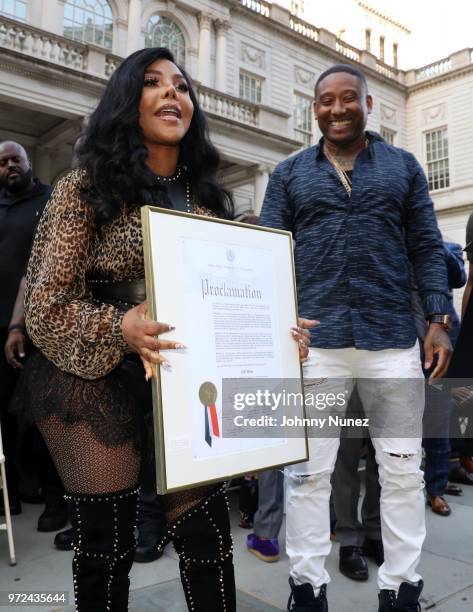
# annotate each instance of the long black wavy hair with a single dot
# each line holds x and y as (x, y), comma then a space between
(113, 153)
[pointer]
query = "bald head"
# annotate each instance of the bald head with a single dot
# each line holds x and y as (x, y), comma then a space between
(15, 168)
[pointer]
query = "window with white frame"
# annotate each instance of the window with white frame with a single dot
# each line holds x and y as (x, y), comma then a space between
(388, 135)
(251, 87)
(89, 21)
(436, 156)
(163, 32)
(16, 9)
(303, 119)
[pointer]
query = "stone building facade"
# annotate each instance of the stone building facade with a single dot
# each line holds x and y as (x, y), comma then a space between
(254, 64)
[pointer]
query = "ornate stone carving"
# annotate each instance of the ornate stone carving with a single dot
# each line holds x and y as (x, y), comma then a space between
(205, 20)
(252, 55)
(388, 114)
(434, 113)
(222, 25)
(303, 77)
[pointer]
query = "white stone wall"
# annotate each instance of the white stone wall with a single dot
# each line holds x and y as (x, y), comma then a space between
(447, 101)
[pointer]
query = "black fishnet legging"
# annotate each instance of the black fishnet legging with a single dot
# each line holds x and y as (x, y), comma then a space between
(87, 466)
(95, 430)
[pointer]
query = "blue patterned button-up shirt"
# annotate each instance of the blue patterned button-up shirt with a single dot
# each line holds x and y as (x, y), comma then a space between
(352, 252)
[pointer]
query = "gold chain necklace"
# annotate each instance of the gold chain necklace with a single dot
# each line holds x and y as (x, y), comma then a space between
(342, 174)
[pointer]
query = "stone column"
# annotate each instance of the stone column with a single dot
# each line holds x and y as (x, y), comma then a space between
(205, 23)
(261, 182)
(134, 41)
(42, 164)
(221, 53)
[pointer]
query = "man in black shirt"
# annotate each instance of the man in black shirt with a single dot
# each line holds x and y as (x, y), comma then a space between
(22, 199)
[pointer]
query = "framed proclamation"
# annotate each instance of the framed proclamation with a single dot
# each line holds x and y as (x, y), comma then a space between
(222, 409)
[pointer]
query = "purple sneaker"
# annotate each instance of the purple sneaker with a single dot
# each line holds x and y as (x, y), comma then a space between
(265, 549)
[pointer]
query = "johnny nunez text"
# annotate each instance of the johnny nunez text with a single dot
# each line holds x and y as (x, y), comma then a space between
(272, 421)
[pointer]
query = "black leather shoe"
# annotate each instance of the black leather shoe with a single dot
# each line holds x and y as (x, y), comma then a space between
(352, 563)
(460, 476)
(54, 516)
(14, 503)
(407, 599)
(151, 526)
(64, 539)
(303, 599)
(374, 550)
(147, 552)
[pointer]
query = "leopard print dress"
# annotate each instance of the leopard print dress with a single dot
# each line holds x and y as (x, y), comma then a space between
(74, 385)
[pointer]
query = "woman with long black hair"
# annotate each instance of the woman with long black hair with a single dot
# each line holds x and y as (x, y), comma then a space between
(146, 143)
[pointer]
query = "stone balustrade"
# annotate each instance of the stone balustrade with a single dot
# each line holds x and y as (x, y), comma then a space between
(386, 70)
(33, 42)
(258, 6)
(434, 69)
(322, 36)
(56, 49)
(347, 50)
(228, 107)
(458, 60)
(304, 28)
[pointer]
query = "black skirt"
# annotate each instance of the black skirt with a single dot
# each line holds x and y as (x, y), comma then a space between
(117, 407)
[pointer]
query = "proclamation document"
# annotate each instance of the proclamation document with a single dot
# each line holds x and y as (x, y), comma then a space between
(229, 291)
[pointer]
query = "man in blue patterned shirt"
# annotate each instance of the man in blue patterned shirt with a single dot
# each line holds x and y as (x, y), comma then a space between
(359, 210)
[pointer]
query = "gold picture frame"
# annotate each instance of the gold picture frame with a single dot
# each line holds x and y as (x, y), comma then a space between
(178, 247)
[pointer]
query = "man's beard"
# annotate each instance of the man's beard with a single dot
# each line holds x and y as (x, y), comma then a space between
(20, 183)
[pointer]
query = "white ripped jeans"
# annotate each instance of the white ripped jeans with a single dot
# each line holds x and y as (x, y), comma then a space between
(402, 501)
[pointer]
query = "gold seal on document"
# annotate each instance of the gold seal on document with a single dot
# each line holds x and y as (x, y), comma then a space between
(208, 393)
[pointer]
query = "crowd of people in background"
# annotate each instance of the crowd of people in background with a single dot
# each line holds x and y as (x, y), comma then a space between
(371, 267)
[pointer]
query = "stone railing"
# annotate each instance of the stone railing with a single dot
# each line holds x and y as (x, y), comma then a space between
(347, 50)
(258, 6)
(38, 44)
(227, 107)
(43, 45)
(434, 69)
(280, 15)
(386, 70)
(304, 28)
(455, 61)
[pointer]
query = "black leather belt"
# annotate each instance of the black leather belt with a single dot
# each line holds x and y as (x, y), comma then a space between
(131, 292)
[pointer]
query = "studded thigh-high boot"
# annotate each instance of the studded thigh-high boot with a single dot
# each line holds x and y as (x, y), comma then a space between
(104, 546)
(204, 544)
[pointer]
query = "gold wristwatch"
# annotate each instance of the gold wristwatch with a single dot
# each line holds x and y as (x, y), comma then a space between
(445, 320)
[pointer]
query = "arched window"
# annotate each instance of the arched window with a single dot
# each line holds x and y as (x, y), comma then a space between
(89, 21)
(16, 9)
(163, 32)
